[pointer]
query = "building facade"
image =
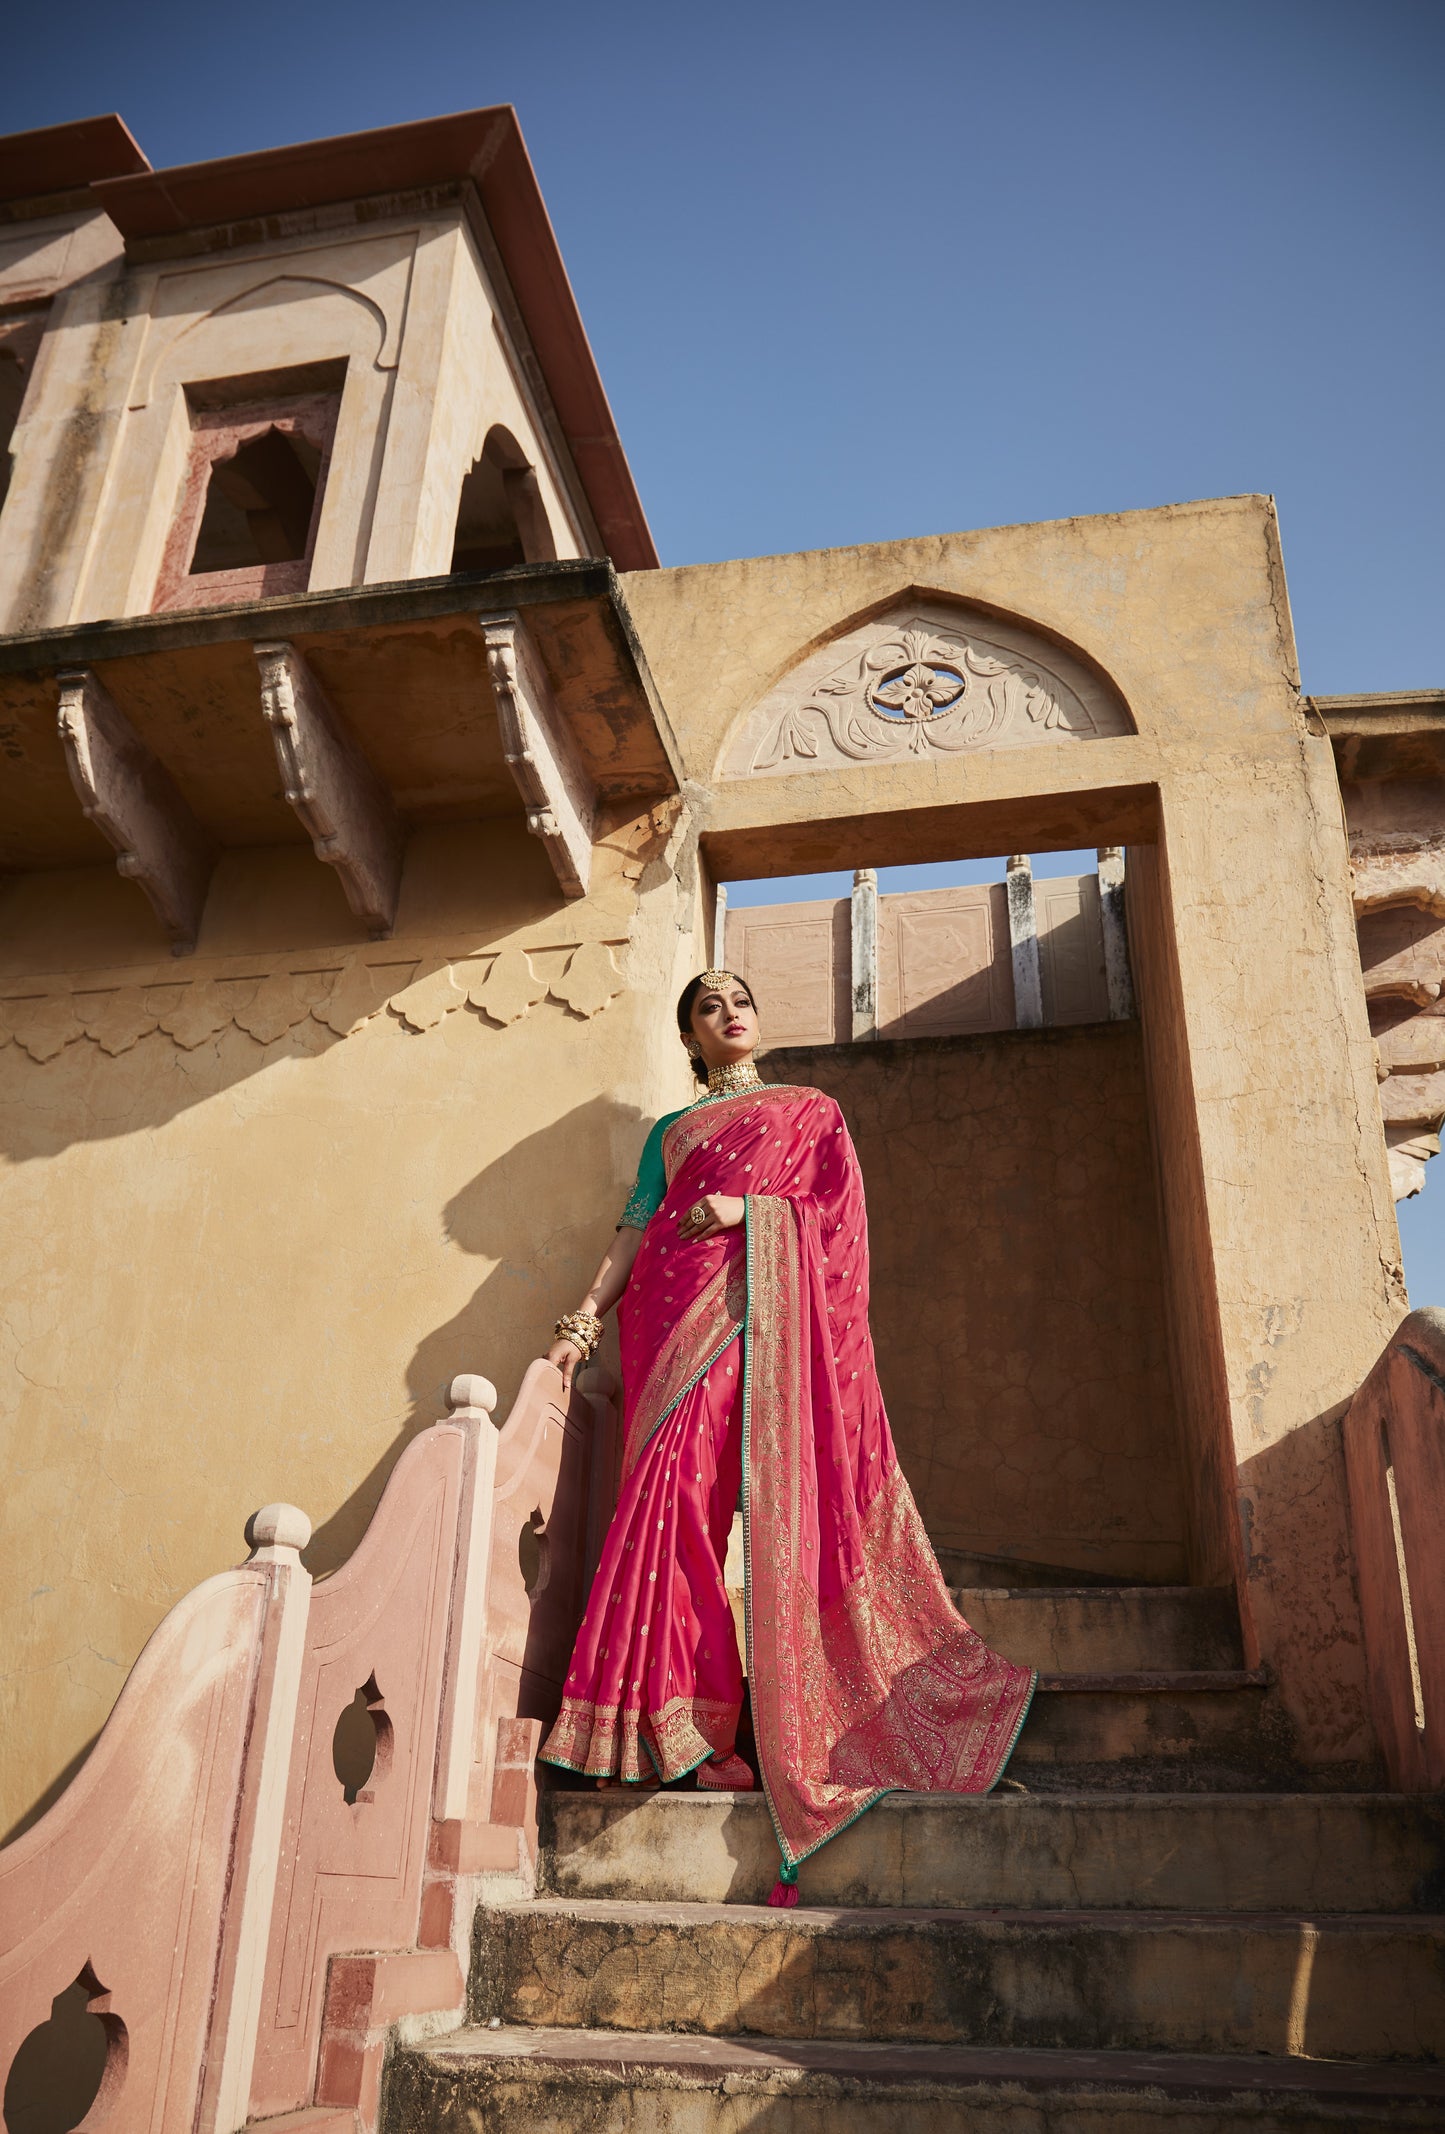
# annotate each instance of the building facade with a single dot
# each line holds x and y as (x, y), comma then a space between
(365, 793)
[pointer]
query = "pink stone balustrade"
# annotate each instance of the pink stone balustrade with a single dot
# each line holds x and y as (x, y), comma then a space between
(245, 1919)
(1394, 1437)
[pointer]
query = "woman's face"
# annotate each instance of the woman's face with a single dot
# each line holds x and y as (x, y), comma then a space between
(725, 1024)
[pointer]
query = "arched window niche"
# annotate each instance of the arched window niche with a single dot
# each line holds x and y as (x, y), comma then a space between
(501, 518)
(928, 676)
(255, 480)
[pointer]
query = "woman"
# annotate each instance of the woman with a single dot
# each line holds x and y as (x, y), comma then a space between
(740, 1270)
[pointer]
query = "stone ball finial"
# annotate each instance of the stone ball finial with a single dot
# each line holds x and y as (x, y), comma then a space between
(278, 1526)
(470, 1390)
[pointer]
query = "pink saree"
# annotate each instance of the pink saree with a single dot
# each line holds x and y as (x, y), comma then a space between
(751, 1352)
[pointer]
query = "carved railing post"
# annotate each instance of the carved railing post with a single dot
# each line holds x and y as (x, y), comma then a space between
(334, 790)
(278, 1533)
(132, 800)
(150, 1880)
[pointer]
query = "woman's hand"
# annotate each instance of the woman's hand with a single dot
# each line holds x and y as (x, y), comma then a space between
(565, 1356)
(706, 1217)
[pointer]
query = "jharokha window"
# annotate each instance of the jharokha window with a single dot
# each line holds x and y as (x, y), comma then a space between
(251, 500)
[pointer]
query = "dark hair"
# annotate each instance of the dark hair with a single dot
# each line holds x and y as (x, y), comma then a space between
(687, 1001)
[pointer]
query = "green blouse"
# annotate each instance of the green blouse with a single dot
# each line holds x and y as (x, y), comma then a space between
(650, 1190)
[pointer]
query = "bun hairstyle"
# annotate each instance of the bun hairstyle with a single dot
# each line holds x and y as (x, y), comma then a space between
(687, 1001)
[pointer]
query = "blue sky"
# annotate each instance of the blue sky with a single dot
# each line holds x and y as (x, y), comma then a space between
(854, 273)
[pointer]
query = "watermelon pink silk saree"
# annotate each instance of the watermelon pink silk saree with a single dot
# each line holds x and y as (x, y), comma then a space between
(751, 1350)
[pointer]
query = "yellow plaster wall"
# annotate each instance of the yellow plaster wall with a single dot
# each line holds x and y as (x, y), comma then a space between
(242, 1270)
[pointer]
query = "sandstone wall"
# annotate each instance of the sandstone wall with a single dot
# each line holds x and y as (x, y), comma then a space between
(1017, 1292)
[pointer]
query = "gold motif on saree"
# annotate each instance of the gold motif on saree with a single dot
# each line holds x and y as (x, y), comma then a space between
(702, 1121)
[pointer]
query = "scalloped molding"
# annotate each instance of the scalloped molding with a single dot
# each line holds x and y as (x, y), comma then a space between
(414, 994)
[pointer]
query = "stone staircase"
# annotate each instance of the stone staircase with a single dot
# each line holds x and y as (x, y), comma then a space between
(1153, 1923)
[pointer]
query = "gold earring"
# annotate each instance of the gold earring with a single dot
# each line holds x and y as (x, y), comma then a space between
(694, 1049)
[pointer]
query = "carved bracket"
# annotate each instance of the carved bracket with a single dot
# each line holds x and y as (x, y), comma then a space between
(334, 790)
(560, 798)
(131, 798)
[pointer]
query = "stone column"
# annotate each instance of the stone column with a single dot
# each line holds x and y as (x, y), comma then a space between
(1117, 978)
(720, 926)
(1024, 941)
(865, 954)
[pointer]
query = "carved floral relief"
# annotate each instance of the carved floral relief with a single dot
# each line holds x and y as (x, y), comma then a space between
(416, 995)
(919, 686)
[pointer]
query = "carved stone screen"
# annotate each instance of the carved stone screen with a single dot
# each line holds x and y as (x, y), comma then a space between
(796, 957)
(944, 965)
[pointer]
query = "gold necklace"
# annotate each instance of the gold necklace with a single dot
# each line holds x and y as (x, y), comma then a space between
(732, 1077)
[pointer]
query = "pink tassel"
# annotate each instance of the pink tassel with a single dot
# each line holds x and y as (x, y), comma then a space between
(783, 1895)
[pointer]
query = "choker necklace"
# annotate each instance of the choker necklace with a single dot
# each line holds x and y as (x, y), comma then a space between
(732, 1078)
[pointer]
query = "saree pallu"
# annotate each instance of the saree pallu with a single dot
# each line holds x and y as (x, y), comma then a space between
(864, 1678)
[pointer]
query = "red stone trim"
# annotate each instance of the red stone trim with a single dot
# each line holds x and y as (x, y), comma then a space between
(216, 434)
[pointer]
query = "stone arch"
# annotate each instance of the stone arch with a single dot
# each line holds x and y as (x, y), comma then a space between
(501, 517)
(923, 675)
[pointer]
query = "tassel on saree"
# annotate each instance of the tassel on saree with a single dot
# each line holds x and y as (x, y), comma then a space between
(784, 1893)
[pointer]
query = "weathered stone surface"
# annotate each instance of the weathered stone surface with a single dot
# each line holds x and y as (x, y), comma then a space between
(1107, 1630)
(545, 2081)
(1015, 1288)
(1206, 1852)
(1112, 1981)
(1158, 1726)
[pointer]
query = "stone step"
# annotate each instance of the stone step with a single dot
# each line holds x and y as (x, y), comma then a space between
(1190, 1852)
(1106, 1630)
(1180, 1730)
(961, 1567)
(631, 2082)
(1354, 1988)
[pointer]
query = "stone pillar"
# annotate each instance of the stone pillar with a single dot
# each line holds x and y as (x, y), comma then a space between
(865, 954)
(720, 926)
(1117, 979)
(1024, 941)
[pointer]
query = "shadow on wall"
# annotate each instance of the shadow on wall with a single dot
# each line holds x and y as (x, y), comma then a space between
(522, 1213)
(283, 972)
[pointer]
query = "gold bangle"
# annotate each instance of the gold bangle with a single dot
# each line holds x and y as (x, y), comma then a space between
(583, 1329)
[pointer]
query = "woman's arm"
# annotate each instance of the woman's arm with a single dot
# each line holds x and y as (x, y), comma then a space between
(607, 1286)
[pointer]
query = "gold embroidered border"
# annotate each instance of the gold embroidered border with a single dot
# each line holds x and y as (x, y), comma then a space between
(621, 1741)
(890, 1688)
(706, 1327)
(701, 1121)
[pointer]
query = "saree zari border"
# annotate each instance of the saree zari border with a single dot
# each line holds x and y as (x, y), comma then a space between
(623, 1741)
(886, 1689)
(711, 1115)
(712, 1320)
